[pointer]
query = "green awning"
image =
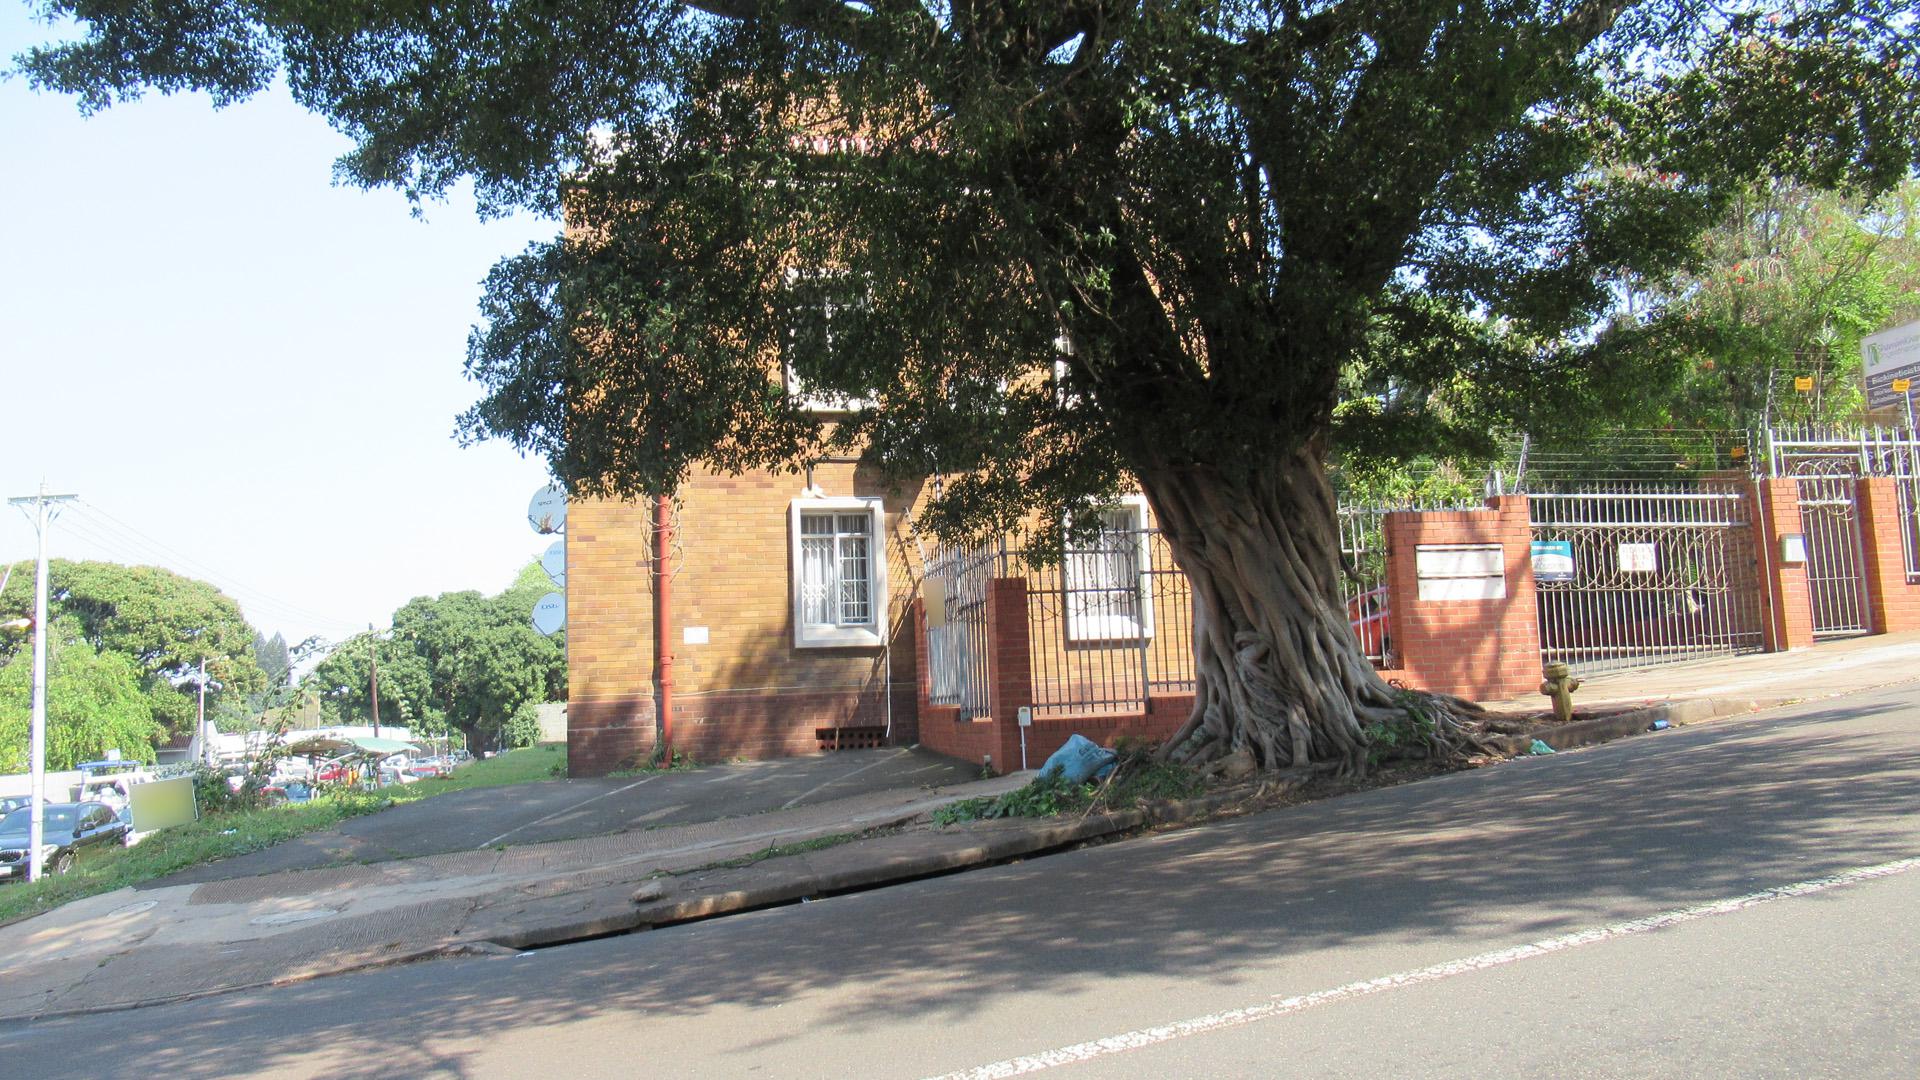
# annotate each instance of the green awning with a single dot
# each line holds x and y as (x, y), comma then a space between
(383, 746)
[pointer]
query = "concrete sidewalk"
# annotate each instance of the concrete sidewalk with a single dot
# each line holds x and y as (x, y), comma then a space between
(132, 948)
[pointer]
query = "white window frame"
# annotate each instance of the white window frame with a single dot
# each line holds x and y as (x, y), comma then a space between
(1085, 625)
(796, 387)
(841, 635)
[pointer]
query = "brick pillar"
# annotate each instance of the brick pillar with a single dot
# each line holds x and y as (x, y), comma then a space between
(1789, 622)
(1477, 648)
(1012, 665)
(1893, 603)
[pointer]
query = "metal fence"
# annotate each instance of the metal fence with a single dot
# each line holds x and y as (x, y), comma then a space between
(958, 649)
(1363, 554)
(1830, 452)
(1108, 626)
(1632, 574)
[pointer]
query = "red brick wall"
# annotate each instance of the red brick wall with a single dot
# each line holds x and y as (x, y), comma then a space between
(746, 692)
(1894, 604)
(1789, 616)
(1474, 648)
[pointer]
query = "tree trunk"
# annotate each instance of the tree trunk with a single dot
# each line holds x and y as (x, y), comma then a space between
(1279, 671)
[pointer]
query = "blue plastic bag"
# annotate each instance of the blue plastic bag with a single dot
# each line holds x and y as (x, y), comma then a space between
(1080, 760)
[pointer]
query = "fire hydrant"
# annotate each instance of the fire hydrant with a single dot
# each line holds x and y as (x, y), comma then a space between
(1560, 687)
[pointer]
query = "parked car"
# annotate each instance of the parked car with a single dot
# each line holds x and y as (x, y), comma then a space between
(67, 830)
(10, 803)
(426, 767)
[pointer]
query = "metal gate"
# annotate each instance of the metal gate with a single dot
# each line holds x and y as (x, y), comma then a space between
(1636, 574)
(1830, 521)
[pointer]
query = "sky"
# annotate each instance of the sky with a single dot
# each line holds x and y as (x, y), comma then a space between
(248, 375)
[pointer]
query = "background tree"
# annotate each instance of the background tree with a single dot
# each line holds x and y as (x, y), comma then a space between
(1791, 279)
(1216, 209)
(163, 622)
(460, 661)
(95, 703)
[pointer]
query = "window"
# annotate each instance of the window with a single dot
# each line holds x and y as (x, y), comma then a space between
(818, 298)
(1108, 595)
(839, 572)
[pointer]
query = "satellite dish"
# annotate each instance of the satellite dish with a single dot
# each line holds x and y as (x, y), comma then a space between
(554, 562)
(547, 513)
(550, 613)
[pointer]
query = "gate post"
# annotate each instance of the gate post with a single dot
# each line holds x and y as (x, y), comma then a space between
(1894, 603)
(1455, 641)
(1011, 664)
(1789, 621)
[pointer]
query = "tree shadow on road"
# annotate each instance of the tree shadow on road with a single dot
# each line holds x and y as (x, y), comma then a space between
(1454, 865)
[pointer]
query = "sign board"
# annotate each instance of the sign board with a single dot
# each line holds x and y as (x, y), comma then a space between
(547, 512)
(554, 562)
(1638, 558)
(1461, 571)
(1803, 383)
(1552, 561)
(1901, 386)
(934, 592)
(1886, 356)
(550, 613)
(693, 635)
(162, 804)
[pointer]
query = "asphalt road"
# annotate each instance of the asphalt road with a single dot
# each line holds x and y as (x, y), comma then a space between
(1378, 934)
(565, 809)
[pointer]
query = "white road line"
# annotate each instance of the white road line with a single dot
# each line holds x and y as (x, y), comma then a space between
(1274, 1008)
(795, 801)
(567, 810)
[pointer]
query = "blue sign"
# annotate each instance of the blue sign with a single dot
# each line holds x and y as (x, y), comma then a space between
(1552, 561)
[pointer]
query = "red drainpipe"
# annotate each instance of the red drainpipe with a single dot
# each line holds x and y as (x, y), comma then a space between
(662, 612)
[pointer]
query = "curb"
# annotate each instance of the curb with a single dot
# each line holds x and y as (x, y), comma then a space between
(1603, 729)
(787, 879)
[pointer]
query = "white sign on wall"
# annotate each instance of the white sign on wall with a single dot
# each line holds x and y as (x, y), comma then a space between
(1638, 559)
(1886, 356)
(1461, 571)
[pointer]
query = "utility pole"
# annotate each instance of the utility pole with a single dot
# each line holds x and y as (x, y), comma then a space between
(206, 737)
(45, 508)
(373, 676)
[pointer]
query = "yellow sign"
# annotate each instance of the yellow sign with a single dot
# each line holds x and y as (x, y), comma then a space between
(1901, 386)
(1803, 383)
(934, 592)
(162, 804)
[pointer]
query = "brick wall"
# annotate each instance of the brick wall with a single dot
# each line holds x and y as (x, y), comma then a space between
(1789, 615)
(1893, 602)
(747, 691)
(1473, 648)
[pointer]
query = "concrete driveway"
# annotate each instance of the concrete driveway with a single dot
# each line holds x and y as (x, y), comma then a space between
(566, 809)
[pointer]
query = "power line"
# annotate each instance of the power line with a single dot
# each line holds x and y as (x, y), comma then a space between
(121, 538)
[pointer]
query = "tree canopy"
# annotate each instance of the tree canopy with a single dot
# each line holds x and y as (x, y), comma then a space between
(460, 661)
(1040, 246)
(95, 703)
(162, 622)
(1791, 279)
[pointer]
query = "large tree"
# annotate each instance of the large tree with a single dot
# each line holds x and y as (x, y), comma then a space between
(458, 661)
(166, 624)
(94, 704)
(1215, 209)
(1792, 280)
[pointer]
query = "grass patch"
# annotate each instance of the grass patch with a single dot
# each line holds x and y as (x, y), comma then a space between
(1136, 778)
(223, 836)
(681, 763)
(818, 843)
